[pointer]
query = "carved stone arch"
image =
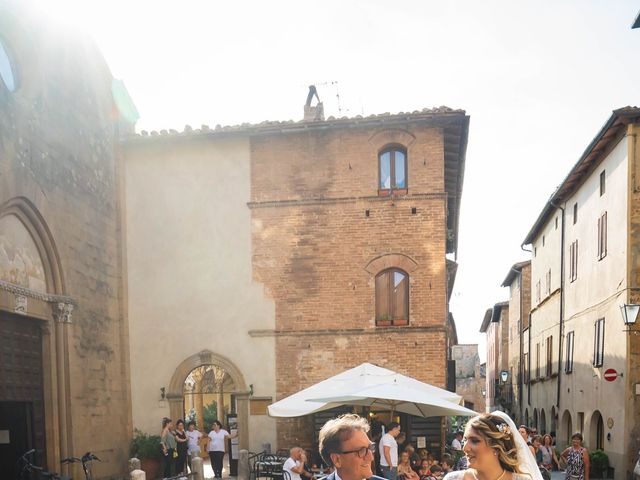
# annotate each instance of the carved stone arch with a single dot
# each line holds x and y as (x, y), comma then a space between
(391, 136)
(35, 224)
(175, 394)
(391, 260)
(45, 302)
(205, 357)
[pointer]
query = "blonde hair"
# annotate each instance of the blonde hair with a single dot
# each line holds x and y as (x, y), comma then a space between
(499, 437)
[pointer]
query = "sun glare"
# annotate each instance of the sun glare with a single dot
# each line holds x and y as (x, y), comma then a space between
(67, 14)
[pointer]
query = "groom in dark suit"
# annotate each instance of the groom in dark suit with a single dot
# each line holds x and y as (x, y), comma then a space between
(344, 445)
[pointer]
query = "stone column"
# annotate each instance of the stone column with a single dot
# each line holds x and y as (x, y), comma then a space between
(62, 318)
(199, 404)
(242, 404)
(176, 410)
(220, 405)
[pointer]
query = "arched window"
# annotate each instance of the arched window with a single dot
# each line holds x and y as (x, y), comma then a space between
(392, 297)
(7, 72)
(392, 169)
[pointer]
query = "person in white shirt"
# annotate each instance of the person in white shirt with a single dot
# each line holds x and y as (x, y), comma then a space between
(193, 437)
(295, 463)
(456, 443)
(217, 437)
(389, 452)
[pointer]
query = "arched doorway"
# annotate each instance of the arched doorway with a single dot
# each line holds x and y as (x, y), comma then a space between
(205, 376)
(567, 427)
(208, 396)
(535, 418)
(552, 421)
(526, 417)
(36, 315)
(596, 431)
(542, 429)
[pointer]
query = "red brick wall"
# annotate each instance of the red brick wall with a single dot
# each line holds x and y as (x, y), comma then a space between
(313, 244)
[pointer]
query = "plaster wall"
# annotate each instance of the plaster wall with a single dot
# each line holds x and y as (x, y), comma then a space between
(598, 292)
(189, 264)
(544, 328)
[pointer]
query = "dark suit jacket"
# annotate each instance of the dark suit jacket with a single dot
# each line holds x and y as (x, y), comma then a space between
(332, 476)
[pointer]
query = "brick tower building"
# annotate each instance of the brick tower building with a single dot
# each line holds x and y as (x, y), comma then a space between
(351, 223)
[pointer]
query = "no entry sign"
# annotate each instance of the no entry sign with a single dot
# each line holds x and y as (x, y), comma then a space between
(610, 374)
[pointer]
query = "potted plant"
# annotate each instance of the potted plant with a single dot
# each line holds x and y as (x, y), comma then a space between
(147, 449)
(599, 462)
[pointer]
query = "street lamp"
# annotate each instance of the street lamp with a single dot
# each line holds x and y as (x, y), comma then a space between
(504, 376)
(629, 314)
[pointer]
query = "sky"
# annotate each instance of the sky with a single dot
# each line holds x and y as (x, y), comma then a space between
(538, 80)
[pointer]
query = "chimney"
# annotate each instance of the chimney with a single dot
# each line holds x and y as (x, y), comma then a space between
(313, 114)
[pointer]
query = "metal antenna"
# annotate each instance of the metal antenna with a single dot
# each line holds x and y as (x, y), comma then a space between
(337, 95)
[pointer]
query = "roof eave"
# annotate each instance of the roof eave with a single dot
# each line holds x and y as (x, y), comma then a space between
(516, 268)
(562, 192)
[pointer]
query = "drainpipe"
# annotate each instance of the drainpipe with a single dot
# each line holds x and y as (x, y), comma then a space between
(561, 323)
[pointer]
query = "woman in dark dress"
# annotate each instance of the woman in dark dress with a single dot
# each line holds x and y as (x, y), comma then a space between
(182, 447)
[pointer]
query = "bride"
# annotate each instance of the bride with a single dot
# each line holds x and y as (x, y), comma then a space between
(496, 451)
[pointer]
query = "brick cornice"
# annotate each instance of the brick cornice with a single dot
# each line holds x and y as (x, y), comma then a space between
(325, 201)
(345, 331)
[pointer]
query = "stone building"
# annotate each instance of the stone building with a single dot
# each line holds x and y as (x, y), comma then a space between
(64, 377)
(316, 246)
(470, 377)
(518, 280)
(495, 325)
(584, 269)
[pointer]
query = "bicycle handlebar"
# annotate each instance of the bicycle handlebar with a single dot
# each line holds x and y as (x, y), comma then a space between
(26, 454)
(70, 460)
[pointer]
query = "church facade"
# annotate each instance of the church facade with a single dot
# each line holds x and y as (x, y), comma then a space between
(64, 374)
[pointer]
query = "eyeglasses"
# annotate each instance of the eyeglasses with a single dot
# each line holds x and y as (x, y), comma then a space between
(362, 452)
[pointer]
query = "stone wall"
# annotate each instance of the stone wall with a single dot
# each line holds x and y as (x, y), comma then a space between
(57, 157)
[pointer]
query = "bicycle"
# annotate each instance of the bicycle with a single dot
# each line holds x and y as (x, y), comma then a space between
(86, 460)
(26, 468)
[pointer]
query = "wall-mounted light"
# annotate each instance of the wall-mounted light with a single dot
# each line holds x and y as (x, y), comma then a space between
(251, 389)
(629, 315)
(163, 393)
(484, 392)
(504, 376)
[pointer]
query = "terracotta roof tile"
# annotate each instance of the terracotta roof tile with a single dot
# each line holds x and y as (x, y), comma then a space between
(267, 125)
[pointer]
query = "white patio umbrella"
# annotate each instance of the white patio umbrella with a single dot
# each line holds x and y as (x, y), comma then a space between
(348, 382)
(399, 398)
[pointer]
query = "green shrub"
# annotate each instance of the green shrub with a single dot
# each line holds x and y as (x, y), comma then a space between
(145, 445)
(599, 462)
